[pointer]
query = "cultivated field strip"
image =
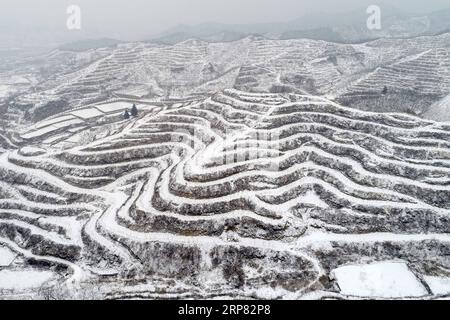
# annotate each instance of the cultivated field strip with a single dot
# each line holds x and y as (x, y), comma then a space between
(420, 72)
(239, 181)
(193, 68)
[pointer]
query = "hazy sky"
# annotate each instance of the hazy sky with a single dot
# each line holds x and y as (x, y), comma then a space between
(138, 19)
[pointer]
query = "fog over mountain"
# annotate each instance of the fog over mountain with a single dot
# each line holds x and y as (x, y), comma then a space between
(22, 22)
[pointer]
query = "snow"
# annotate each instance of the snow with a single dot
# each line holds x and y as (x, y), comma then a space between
(114, 219)
(438, 285)
(45, 130)
(47, 123)
(112, 107)
(38, 133)
(312, 198)
(23, 279)
(31, 151)
(137, 91)
(68, 123)
(263, 185)
(6, 257)
(323, 237)
(87, 113)
(55, 138)
(378, 280)
(269, 293)
(439, 111)
(18, 79)
(5, 90)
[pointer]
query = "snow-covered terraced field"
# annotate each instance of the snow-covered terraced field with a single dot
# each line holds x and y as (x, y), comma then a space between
(238, 195)
(69, 126)
(415, 72)
(427, 73)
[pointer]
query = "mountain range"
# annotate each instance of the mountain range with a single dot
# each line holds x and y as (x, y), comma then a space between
(347, 27)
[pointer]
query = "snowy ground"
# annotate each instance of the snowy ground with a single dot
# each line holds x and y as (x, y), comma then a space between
(220, 192)
(6, 257)
(378, 280)
(23, 279)
(440, 111)
(5, 90)
(438, 285)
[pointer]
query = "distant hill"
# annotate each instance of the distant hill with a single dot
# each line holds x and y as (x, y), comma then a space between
(326, 34)
(347, 27)
(84, 45)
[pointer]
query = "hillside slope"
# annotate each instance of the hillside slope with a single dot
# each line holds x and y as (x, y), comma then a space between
(238, 195)
(388, 75)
